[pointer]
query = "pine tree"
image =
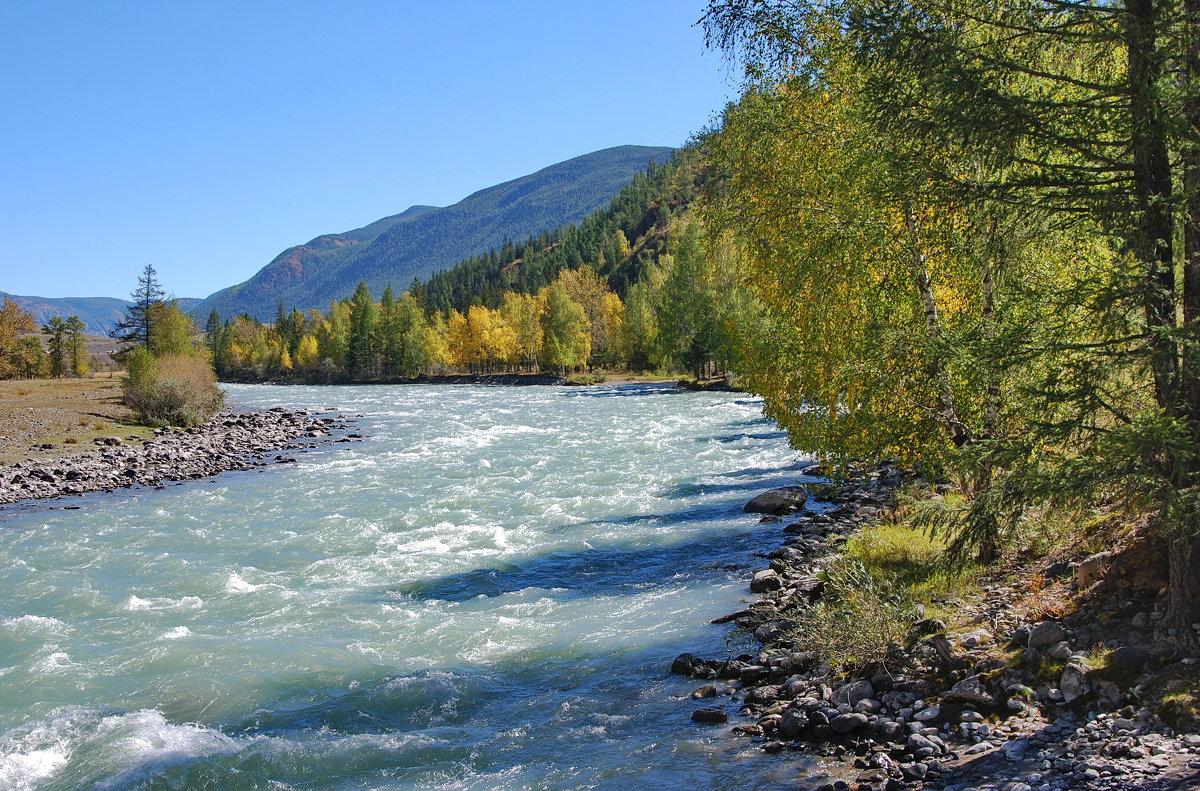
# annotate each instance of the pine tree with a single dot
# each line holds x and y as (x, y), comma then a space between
(137, 326)
(360, 351)
(56, 329)
(212, 330)
(76, 346)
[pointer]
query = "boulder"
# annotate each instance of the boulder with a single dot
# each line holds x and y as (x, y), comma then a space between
(1074, 682)
(1045, 634)
(1092, 569)
(928, 714)
(686, 665)
(778, 502)
(766, 580)
(921, 747)
(1060, 651)
(848, 723)
(792, 723)
(710, 716)
(852, 693)
(891, 731)
(972, 691)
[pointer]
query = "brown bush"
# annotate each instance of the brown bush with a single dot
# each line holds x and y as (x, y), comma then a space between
(172, 390)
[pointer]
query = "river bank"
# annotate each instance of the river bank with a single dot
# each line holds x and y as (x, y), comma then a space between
(1003, 699)
(230, 441)
(503, 379)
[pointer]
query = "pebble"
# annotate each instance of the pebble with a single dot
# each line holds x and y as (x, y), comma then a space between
(230, 441)
(927, 713)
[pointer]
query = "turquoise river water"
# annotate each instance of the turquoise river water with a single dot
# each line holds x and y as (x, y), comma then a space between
(485, 593)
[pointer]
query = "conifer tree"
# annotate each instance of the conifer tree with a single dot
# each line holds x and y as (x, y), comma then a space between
(137, 326)
(1086, 112)
(76, 346)
(360, 349)
(56, 329)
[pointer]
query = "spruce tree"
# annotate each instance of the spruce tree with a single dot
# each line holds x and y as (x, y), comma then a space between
(136, 327)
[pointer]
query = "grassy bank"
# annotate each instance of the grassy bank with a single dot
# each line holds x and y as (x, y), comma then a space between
(65, 413)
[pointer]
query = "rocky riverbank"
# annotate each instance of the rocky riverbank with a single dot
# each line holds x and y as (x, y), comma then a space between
(230, 441)
(1070, 702)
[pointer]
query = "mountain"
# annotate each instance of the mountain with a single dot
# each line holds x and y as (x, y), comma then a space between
(99, 314)
(424, 239)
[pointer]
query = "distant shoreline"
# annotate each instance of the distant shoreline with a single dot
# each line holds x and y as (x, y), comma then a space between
(716, 384)
(230, 441)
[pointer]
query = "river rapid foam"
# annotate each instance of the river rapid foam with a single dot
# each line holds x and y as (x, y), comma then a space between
(485, 593)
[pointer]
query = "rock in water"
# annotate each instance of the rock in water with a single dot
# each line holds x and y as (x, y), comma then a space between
(685, 664)
(779, 502)
(765, 580)
(710, 716)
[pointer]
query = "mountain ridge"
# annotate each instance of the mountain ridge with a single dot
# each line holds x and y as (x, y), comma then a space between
(424, 239)
(98, 314)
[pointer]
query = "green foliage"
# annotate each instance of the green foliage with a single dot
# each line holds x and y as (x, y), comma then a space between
(17, 358)
(360, 344)
(173, 331)
(566, 339)
(28, 359)
(135, 328)
(908, 554)
(68, 351)
(859, 620)
(172, 390)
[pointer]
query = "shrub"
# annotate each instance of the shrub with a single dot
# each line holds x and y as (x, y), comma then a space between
(860, 618)
(172, 390)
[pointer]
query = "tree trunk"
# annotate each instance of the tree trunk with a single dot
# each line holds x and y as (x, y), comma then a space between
(1155, 229)
(1183, 597)
(1191, 190)
(960, 435)
(1175, 369)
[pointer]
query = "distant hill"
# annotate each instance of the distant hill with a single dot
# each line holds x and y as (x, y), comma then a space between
(99, 314)
(424, 239)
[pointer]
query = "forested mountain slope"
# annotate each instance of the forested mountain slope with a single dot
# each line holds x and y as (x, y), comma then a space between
(424, 239)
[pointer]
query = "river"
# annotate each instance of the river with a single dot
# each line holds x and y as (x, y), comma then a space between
(485, 593)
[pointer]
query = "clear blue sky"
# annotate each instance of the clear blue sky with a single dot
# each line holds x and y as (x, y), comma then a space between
(206, 137)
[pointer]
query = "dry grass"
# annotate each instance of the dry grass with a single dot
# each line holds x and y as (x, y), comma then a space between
(54, 411)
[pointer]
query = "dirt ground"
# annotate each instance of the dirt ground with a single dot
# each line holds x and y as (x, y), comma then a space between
(67, 414)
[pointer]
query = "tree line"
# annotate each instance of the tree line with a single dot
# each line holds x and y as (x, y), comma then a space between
(169, 379)
(23, 355)
(637, 286)
(679, 315)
